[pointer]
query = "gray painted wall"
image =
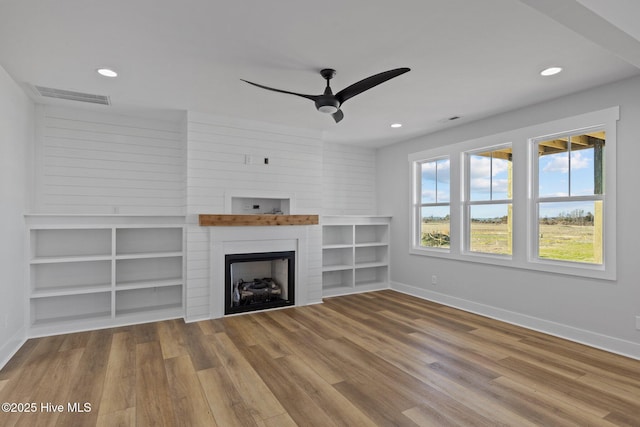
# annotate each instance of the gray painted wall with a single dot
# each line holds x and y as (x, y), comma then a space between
(598, 312)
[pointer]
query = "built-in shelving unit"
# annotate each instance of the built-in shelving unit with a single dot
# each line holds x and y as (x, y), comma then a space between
(87, 272)
(355, 254)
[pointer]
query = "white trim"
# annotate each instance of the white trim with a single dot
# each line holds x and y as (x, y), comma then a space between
(229, 240)
(11, 347)
(582, 336)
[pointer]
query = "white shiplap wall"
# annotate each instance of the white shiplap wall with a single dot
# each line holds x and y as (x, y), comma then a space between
(348, 180)
(99, 162)
(216, 168)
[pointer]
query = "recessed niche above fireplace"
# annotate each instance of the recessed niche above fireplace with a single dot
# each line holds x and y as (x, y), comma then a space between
(249, 204)
(258, 281)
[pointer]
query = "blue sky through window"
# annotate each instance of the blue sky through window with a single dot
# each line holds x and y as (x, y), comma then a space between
(560, 174)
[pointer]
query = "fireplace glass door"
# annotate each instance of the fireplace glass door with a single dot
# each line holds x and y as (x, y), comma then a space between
(257, 281)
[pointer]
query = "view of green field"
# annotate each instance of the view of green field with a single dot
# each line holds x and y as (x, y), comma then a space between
(557, 241)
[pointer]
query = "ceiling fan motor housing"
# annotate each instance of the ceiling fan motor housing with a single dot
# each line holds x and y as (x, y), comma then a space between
(327, 104)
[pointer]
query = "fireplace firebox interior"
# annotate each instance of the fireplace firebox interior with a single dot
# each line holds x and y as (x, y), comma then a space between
(257, 281)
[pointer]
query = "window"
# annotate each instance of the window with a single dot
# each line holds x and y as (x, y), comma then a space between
(488, 208)
(544, 201)
(570, 197)
(432, 203)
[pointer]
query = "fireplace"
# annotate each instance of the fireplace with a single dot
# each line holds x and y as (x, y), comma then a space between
(257, 281)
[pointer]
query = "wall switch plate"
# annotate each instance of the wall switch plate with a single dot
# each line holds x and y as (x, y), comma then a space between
(434, 280)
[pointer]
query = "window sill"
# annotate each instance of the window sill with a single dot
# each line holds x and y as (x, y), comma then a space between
(557, 267)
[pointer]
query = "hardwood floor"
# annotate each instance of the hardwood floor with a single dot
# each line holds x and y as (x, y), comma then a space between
(381, 358)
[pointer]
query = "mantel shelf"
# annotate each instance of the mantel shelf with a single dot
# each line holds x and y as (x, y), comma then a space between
(227, 220)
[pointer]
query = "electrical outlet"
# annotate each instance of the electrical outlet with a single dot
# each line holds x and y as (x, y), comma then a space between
(638, 323)
(434, 280)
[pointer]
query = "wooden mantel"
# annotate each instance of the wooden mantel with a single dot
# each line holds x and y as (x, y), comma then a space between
(227, 220)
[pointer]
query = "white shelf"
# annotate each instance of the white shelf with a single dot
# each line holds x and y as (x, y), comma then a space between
(64, 259)
(338, 246)
(144, 255)
(337, 267)
(370, 264)
(73, 319)
(143, 284)
(70, 290)
(355, 254)
(99, 271)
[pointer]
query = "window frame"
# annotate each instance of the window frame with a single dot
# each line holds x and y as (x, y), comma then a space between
(417, 203)
(467, 203)
(525, 215)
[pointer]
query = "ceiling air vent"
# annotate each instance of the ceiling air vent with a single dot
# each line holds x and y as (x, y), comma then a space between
(72, 96)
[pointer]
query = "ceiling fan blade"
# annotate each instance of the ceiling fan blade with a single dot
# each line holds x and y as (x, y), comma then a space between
(368, 83)
(338, 115)
(311, 97)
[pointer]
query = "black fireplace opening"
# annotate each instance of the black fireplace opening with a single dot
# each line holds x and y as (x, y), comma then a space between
(257, 281)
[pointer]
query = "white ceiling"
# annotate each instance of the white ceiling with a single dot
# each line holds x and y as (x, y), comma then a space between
(469, 58)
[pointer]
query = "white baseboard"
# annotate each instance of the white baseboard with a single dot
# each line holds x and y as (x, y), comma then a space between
(11, 347)
(592, 339)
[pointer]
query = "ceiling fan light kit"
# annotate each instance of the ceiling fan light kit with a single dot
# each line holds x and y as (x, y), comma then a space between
(328, 102)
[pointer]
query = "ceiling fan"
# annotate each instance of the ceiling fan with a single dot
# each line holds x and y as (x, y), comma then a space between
(330, 103)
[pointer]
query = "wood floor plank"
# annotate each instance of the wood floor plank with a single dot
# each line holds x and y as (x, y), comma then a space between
(282, 420)
(380, 358)
(200, 351)
(118, 394)
(172, 338)
(227, 405)
(212, 326)
(153, 400)
(252, 330)
(326, 398)
(123, 418)
(87, 381)
(570, 414)
(294, 400)
(64, 362)
(191, 408)
(380, 410)
(247, 381)
(590, 396)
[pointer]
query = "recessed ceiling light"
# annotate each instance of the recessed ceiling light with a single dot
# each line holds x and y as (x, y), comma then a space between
(396, 125)
(550, 71)
(107, 72)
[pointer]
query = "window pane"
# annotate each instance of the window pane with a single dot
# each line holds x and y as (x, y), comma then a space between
(435, 181)
(434, 226)
(491, 229)
(571, 166)
(553, 170)
(501, 179)
(443, 180)
(586, 166)
(480, 176)
(571, 231)
(490, 175)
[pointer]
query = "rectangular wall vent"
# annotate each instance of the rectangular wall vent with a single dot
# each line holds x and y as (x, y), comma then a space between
(72, 96)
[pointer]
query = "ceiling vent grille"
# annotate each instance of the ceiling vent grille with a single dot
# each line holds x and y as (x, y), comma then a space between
(72, 96)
